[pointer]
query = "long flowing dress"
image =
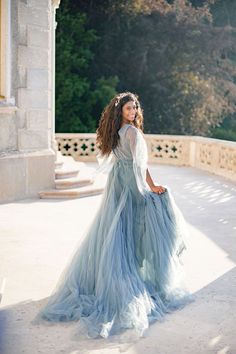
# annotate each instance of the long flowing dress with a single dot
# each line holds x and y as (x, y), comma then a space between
(128, 270)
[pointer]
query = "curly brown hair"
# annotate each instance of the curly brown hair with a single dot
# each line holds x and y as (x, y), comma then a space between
(111, 119)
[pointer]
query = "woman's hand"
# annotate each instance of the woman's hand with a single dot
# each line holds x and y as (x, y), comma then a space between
(155, 189)
(158, 189)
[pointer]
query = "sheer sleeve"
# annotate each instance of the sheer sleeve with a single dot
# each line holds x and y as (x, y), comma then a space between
(138, 148)
(105, 164)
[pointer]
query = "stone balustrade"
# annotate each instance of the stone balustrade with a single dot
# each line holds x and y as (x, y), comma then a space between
(213, 155)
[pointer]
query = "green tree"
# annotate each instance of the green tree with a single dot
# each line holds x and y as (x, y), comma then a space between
(77, 95)
(178, 56)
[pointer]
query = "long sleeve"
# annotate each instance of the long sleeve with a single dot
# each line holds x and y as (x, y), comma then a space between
(138, 148)
(105, 164)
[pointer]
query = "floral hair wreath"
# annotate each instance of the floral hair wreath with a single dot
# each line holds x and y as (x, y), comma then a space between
(118, 100)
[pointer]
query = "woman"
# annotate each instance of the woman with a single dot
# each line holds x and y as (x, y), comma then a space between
(127, 272)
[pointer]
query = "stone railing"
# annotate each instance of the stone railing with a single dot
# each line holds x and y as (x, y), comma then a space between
(214, 155)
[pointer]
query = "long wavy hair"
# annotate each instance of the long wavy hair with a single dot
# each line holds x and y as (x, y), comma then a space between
(107, 137)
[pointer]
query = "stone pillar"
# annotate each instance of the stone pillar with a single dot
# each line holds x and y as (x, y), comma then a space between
(34, 86)
(27, 157)
(55, 6)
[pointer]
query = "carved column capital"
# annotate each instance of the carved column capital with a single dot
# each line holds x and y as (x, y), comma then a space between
(56, 3)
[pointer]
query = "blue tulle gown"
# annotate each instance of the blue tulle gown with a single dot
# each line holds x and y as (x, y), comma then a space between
(128, 271)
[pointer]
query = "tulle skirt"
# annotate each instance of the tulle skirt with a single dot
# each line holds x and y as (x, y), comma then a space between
(127, 272)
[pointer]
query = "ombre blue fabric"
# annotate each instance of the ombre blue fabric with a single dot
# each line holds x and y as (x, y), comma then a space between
(128, 272)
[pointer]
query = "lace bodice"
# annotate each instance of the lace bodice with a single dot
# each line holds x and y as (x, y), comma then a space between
(131, 139)
(131, 146)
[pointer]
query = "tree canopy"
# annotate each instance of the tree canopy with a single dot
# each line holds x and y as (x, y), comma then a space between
(178, 56)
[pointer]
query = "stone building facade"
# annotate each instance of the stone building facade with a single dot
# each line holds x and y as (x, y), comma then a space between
(27, 119)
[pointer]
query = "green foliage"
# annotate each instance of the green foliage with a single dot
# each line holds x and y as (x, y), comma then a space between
(224, 134)
(76, 94)
(178, 56)
(226, 130)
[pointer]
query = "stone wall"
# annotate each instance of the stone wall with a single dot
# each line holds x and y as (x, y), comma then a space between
(26, 154)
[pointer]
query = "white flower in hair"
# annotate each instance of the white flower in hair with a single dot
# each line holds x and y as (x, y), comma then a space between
(117, 101)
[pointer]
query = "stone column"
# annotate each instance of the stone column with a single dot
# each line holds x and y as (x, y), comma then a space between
(55, 6)
(27, 157)
(34, 75)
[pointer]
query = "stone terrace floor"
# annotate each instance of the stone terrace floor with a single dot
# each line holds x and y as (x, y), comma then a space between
(38, 236)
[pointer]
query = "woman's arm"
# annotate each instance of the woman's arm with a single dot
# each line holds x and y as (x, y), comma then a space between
(149, 179)
(154, 188)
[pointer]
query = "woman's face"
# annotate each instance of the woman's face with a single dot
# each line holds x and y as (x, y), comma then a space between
(128, 111)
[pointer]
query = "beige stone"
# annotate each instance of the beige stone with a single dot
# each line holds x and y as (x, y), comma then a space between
(38, 119)
(37, 36)
(21, 118)
(37, 4)
(12, 178)
(37, 78)
(33, 15)
(24, 174)
(33, 139)
(27, 130)
(33, 57)
(40, 173)
(28, 98)
(8, 134)
(21, 77)
(22, 34)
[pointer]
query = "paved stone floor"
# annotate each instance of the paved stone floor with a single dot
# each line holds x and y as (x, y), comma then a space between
(38, 236)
